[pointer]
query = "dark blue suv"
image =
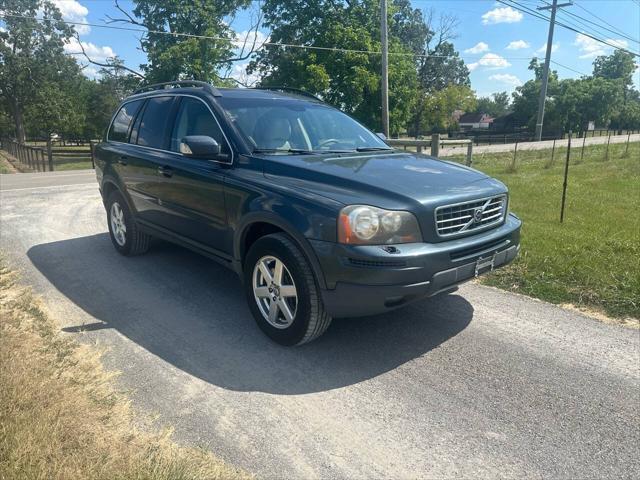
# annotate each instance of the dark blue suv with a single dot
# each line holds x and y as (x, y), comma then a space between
(318, 215)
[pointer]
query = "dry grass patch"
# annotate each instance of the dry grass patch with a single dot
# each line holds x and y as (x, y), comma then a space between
(5, 165)
(61, 416)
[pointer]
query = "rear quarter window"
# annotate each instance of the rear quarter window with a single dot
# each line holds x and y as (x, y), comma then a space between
(119, 130)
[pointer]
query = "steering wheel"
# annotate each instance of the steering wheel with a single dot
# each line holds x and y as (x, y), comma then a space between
(328, 142)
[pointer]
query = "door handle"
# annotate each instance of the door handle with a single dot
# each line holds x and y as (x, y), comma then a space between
(123, 160)
(165, 171)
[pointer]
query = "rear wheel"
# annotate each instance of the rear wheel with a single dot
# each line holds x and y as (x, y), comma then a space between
(123, 230)
(282, 292)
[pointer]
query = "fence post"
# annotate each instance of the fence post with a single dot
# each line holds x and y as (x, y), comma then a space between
(606, 155)
(553, 151)
(515, 154)
(469, 154)
(435, 144)
(44, 163)
(584, 139)
(91, 146)
(566, 175)
(626, 150)
(50, 154)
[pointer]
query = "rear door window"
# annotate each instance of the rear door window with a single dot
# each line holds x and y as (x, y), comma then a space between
(119, 131)
(153, 126)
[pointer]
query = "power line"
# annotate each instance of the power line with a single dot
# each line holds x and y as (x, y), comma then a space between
(569, 68)
(620, 32)
(533, 13)
(582, 21)
(274, 44)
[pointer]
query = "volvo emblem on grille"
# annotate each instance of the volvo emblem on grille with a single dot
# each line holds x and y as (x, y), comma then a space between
(477, 215)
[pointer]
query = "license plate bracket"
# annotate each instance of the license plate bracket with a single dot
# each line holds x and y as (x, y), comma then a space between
(485, 265)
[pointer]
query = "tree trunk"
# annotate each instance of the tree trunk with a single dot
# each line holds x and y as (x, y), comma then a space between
(18, 118)
(417, 126)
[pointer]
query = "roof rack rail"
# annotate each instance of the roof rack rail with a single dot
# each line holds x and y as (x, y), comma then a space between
(299, 91)
(180, 83)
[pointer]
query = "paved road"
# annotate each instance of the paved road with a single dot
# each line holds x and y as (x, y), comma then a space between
(546, 144)
(476, 384)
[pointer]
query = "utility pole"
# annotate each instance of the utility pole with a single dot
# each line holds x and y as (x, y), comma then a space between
(385, 67)
(545, 73)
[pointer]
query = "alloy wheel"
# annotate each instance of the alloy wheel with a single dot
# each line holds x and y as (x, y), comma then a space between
(275, 291)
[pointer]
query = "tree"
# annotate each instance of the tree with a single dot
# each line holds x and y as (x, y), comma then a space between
(496, 105)
(193, 57)
(31, 53)
(525, 99)
(587, 99)
(349, 76)
(438, 107)
(618, 66)
(438, 65)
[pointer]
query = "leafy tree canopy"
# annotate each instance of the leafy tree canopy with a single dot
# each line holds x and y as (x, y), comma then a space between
(496, 105)
(31, 55)
(174, 57)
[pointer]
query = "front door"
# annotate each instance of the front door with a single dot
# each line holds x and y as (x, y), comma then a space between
(192, 194)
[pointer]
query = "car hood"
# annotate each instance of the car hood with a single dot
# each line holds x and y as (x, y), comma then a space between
(388, 180)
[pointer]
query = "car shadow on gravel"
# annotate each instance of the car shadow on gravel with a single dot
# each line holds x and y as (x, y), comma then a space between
(191, 312)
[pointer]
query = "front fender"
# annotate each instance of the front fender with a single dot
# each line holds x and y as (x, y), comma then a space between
(252, 218)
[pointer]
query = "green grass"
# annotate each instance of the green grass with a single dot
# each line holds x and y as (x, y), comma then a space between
(4, 166)
(72, 164)
(591, 260)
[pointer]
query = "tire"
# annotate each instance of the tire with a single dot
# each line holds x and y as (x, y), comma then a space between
(129, 241)
(307, 317)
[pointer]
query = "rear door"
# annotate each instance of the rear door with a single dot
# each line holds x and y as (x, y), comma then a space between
(116, 150)
(149, 142)
(193, 190)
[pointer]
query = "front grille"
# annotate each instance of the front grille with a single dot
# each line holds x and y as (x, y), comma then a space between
(470, 251)
(358, 262)
(470, 216)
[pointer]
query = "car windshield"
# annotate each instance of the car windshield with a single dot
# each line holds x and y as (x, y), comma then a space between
(281, 125)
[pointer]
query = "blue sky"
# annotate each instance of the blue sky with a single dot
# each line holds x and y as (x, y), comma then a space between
(495, 41)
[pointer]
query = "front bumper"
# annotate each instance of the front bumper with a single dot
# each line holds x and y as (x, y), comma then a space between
(366, 280)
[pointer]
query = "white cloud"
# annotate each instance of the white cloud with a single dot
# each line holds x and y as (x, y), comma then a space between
(91, 72)
(239, 72)
(478, 48)
(501, 15)
(246, 39)
(73, 11)
(543, 48)
(490, 61)
(506, 79)
(518, 45)
(590, 48)
(95, 52)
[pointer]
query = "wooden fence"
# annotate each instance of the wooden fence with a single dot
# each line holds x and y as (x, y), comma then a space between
(433, 144)
(44, 156)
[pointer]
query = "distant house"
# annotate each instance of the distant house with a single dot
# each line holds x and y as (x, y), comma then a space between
(470, 121)
(506, 122)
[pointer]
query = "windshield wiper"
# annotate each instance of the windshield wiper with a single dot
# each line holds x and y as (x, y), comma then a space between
(373, 149)
(284, 150)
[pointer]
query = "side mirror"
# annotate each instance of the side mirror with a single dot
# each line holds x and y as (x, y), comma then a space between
(200, 146)
(382, 136)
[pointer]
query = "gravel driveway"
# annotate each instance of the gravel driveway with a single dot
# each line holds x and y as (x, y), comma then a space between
(480, 383)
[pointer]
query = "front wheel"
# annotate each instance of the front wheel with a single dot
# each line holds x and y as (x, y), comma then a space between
(123, 230)
(282, 292)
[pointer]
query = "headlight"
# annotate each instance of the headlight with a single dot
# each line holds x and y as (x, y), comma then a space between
(365, 225)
